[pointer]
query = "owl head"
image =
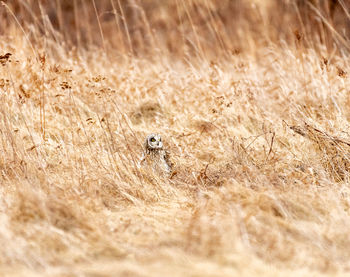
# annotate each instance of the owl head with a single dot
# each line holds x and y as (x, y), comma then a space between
(153, 142)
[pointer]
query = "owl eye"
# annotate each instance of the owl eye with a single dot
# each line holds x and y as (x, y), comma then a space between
(153, 139)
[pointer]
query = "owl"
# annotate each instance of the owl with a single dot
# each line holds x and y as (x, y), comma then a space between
(155, 156)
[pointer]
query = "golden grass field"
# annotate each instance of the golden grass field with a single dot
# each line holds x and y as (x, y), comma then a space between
(252, 101)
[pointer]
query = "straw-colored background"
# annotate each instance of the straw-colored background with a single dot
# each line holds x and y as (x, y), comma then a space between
(251, 99)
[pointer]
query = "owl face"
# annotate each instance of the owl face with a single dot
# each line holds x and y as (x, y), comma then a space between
(154, 141)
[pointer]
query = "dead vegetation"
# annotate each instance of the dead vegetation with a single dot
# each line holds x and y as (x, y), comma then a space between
(255, 117)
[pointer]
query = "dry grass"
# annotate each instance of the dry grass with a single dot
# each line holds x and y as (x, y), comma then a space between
(258, 134)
